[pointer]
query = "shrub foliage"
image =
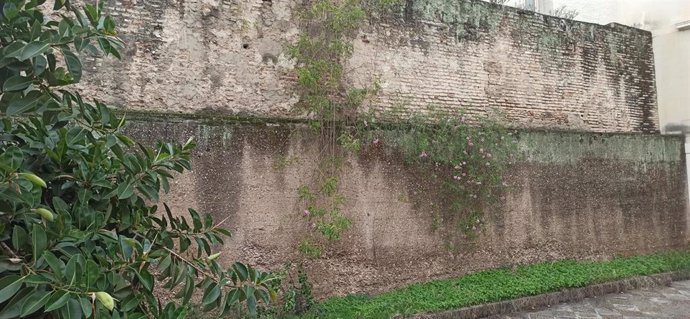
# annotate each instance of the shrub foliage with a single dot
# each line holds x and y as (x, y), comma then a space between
(79, 236)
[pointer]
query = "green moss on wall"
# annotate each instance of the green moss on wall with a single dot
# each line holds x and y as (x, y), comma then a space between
(466, 19)
(569, 148)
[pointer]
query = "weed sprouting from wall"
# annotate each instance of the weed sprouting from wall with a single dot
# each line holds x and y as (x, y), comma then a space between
(296, 294)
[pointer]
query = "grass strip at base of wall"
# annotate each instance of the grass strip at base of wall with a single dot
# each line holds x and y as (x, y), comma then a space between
(497, 285)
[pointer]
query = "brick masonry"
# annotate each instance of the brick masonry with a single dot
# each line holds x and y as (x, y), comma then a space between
(470, 57)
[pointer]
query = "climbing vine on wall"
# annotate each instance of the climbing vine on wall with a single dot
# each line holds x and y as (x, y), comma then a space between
(467, 158)
(326, 42)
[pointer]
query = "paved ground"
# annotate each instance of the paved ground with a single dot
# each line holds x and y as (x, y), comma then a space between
(657, 303)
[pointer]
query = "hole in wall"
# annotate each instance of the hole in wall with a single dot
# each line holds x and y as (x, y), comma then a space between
(267, 57)
(245, 46)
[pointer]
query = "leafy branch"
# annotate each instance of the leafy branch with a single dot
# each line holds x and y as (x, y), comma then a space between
(78, 235)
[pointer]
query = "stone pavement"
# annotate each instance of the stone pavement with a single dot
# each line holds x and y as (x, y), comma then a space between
(652, 303)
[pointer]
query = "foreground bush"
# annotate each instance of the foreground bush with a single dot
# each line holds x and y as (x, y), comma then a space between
(78, 235)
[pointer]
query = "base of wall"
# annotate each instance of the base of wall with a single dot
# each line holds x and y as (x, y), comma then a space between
(502, 308)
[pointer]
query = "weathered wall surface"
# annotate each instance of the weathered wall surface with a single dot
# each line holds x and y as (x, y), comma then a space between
(574, 195)
(229, 56)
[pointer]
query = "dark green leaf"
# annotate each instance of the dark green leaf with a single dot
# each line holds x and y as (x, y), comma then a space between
(125, 190)
(92, 273)
(34, 302)
(168, 212)
(6, 265)
(85, 306)
(58, 4)
(224, 232)
(146, 279)
(109, 25)
(164, 183)
(80, 43)
(13, 306)
(73, 309)
(231, 299)
(58, 77)
(39, 240)
(11, 285)
(19, 237)
(262, 295)
(164, 264)
(24, 104)
(37, 279)
(148, 191)
(203, 245)
(36, 30)
(52, 62)
(91, 13)
(195, 219)
(63, 28)
(16, 83)
(57, 300)
(55, 264)
(60, 206)
(71, 270)
(126, 249)
(211, 294)
(13, 50)
(73, 64)
(113, 48)
(188, 291)
(241, 271)
(251, 300)
(9, 10)
(184, 244)
(33, 49)
(80, 17)
(208, 221)
(130, 303)
(40, 65)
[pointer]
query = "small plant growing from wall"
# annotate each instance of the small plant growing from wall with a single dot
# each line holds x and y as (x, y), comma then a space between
(295, 290)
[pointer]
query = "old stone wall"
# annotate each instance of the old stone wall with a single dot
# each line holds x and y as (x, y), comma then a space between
(469, 56)
(593, 194)
(572, 195)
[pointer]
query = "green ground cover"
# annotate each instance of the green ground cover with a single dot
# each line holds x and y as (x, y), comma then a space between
(496, 285)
